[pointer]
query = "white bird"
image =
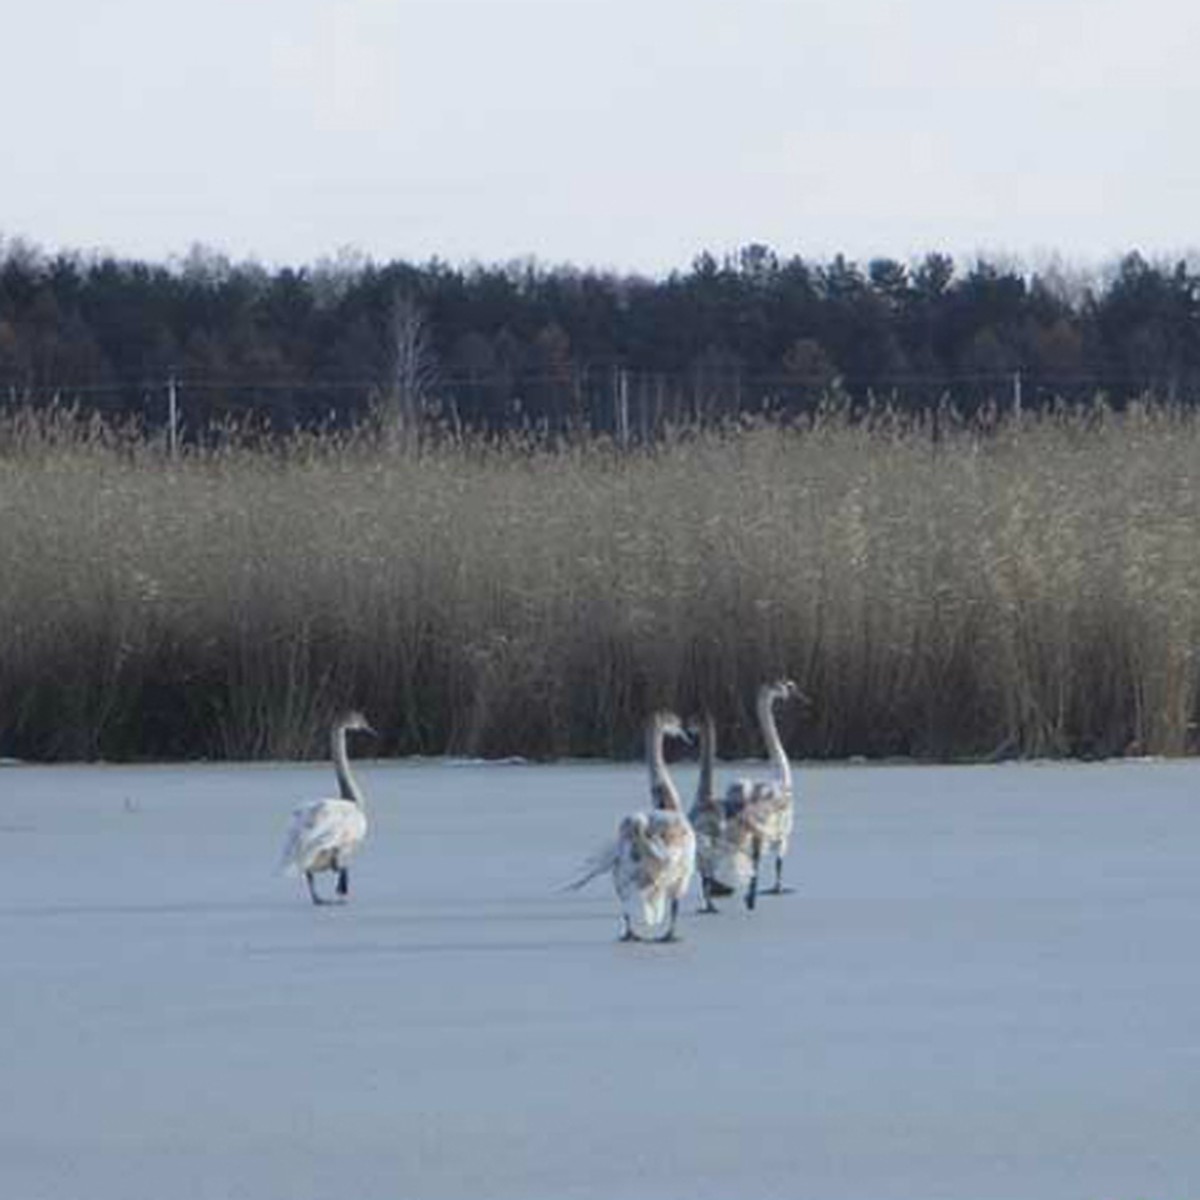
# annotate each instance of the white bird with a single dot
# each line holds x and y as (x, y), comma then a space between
(725, 839)
(325, 833)
(768, 808)
(654, 853)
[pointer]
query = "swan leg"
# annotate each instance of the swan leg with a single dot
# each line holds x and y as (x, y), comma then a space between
(343, 882)
(628, 935)
(752, 890)
(706, 889)
(671, 935)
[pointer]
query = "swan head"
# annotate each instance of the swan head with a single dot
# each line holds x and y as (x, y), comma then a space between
(667, 724)
(784, 689)
(354, 721)
(738, 794)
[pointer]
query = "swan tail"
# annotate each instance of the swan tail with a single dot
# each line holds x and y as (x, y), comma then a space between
(596, 864)
(289, 859)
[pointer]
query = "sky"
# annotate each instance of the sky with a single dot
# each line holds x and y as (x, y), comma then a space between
(617, 134)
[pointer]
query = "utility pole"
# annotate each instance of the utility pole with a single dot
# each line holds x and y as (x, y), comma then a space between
(621, 405)
(172, 417)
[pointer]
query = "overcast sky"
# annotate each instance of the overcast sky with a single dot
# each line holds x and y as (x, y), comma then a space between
(629, 134)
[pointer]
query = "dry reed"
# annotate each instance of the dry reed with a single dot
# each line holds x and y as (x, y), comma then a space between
(1031, 590)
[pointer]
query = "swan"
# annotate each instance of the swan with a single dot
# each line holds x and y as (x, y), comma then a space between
(767, 808)
(725, 839)
(654, 853)
(325, 833)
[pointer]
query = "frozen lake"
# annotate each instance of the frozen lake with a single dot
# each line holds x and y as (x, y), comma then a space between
(987, 985)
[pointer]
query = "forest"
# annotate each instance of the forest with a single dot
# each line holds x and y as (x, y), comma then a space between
(526, 345)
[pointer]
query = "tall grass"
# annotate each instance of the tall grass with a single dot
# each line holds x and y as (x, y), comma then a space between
(1031, 590)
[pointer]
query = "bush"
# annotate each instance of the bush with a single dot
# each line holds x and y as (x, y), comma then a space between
(939, 591)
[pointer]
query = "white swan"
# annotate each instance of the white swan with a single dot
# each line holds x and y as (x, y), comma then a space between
(725, 839)
(654, 854)
(325, 833)
(768, 808)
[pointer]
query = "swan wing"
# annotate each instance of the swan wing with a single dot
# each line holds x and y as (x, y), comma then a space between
(638, 874)
(732, 859)
(318, 827)
(769, 811)
(672, 844)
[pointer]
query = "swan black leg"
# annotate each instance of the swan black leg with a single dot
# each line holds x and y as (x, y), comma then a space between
(628, 935)
(343, 883)
(779, 889)
(670, 935)
(752, 890)
(706, 890)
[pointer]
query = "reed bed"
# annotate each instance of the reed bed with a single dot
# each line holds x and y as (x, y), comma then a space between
(939, 591)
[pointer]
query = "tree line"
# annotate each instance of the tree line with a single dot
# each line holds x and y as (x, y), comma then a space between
(525, 344)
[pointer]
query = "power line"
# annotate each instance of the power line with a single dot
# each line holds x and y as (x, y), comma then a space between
(582, 378)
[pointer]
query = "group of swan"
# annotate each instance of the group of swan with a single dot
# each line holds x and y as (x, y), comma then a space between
(733, 832)
(723, 838)
(655, 851)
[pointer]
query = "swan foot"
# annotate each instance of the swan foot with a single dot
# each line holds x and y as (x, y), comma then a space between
(779, 889)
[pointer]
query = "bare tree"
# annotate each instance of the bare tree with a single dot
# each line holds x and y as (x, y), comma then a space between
(411, 371)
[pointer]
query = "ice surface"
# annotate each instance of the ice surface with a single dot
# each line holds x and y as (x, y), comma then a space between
(985, 986)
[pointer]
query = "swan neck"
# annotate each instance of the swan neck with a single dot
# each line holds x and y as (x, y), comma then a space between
(348, 787)
(665, 794)
(770, 732)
